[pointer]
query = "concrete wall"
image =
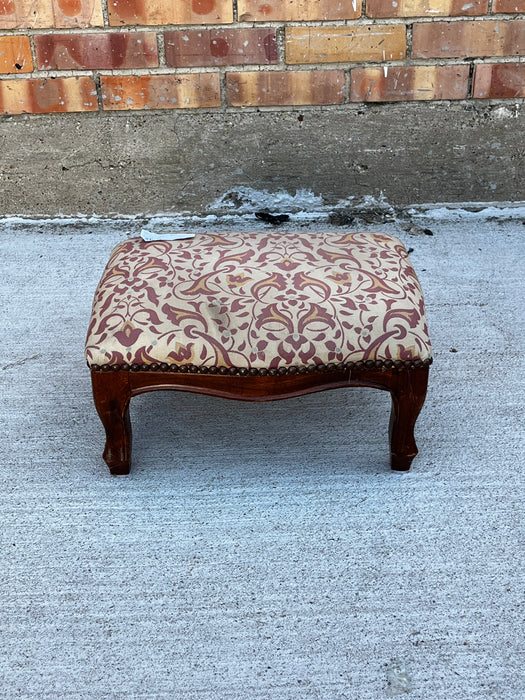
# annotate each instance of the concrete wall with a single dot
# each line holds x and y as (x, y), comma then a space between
(172, 162)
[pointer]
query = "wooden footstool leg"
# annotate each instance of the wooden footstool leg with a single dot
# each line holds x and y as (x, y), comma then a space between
(408, 396)
(112, 395)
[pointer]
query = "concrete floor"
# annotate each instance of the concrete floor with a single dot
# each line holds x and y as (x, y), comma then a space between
(264, 551)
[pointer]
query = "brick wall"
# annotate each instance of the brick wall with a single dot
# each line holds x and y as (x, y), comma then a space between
(91, 55)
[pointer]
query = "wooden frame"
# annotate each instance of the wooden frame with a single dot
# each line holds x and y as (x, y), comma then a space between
(113, 387)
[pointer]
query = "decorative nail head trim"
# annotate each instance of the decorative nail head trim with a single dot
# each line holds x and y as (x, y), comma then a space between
(265, 371)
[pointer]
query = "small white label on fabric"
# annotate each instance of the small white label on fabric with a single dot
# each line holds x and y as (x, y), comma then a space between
(150, 236)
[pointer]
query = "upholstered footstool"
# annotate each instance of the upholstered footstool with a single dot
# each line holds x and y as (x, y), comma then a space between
(258, 317)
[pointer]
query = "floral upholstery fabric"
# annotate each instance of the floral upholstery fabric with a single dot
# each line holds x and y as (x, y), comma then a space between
(256, 300)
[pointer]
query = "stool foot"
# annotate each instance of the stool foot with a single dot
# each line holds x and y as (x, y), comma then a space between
(112, 395)
(400, 463)
(408, 396)
(117, 453)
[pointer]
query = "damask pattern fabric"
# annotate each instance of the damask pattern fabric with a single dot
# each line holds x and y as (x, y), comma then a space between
(258, 300)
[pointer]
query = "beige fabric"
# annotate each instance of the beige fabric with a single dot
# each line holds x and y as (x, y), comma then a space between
(258, 300)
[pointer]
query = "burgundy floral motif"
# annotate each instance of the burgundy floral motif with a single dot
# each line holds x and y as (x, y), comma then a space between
(258, 300)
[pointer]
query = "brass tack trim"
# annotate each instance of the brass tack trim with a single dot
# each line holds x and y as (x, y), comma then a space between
(265, 371)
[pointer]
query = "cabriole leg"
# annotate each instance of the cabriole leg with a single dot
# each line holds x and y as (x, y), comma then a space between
(112, 395)
(408, 396)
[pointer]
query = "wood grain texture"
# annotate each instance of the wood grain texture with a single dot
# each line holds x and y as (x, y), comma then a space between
(112, 391)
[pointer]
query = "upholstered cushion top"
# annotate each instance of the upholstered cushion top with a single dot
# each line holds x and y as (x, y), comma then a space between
(258, 300)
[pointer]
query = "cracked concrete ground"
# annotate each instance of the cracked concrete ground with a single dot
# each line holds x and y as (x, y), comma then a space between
(264, 551)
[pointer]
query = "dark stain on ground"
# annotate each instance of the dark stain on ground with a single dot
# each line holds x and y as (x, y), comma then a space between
(355, 216)
(347, 217)
(273, 219)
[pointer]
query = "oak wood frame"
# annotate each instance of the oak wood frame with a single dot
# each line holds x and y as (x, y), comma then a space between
(113, 388)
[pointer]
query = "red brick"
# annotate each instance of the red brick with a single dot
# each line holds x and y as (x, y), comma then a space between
(121, 92)
(398, 83)
(508, 6)
(96, 51)
(425, 8)
(499, 80)
(38, 96)
(50, 13)
(297, 10)
(345, 44)
(468, 38)
(77, 13)
(220, 47)
(15, 54)
(271, 88)
(141, 12)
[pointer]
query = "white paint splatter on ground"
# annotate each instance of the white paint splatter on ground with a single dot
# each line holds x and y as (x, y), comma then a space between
(235, 210)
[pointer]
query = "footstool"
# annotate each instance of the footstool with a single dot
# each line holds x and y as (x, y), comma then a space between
(258, 317)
